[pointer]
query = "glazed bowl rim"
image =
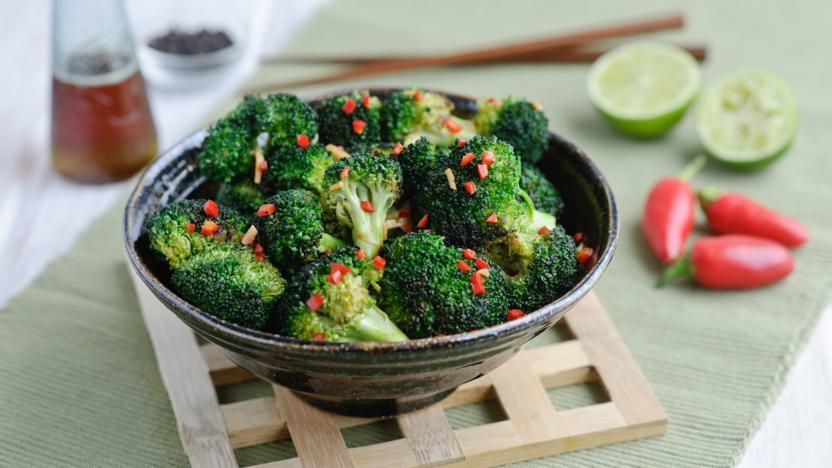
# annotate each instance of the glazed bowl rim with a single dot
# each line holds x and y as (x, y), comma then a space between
(250, 337)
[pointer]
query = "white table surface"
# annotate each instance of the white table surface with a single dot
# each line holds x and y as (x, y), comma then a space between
(35, 201)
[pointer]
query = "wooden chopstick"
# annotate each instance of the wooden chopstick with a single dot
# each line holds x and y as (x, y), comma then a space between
(488, 53)
(559, 55)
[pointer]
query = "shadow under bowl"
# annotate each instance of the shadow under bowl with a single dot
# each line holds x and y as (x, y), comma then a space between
(372, 379)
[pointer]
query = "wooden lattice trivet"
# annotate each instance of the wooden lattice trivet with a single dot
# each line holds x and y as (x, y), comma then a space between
(534, 428)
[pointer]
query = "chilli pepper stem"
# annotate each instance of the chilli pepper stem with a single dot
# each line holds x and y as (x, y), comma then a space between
(693, 167)
(708, 195)
(681, 268)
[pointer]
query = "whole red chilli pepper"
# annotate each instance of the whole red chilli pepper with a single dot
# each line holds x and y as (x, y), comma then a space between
(732, 261)
(668, 213)
(732, 213)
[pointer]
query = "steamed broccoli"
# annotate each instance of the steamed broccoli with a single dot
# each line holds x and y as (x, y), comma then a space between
(227, 281)
(549, 271)
(294, 167)
(352, 121)
(227, 150)
(360, 191)
(182, 229)
(287, 117)
(243, 196)
(516, 121)
(409, 115)
(545, 196)
(293, 235)
(329, 300)
(426, 293)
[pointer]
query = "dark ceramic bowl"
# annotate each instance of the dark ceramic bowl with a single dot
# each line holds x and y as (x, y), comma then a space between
(373, 379)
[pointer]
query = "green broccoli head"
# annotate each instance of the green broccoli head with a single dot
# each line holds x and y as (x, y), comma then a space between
(417, 162)
(329, 300)
(543, 194)
(243, 196)
(352, 121)
(426, 292)
(361, 189)
(226, 154)
(285, 118)
(481, 206)
(546, 269)
(227, 281)
(182, 229)
(294, 167)
(409, 115)
(520, 123)
(293, 234)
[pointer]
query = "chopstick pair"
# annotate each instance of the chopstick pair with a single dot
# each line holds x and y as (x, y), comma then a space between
(558, 48)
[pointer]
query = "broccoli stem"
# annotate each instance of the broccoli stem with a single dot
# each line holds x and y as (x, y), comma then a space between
(375, 326)
(329, 241)
(537, 218)
(369, 229)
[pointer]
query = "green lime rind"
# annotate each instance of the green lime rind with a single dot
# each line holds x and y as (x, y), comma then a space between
(647, 128)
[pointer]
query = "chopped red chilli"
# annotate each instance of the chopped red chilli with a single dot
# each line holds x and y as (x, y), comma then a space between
(397, 149)
(334, 277)
(328, 251)
(303, 140)
(404, 212)
(258, 248)
(379, 263)
(190, 227)
(361, 254)
(208, 228)
(423, 222)
(348, 106)
(266, 209)
(482, 171)
(477, 284)
(514, 314)
(259, 256)
(334, 266)
(263, 165)
(461, 142)
(365, 99)
(470, 187)
(578, 237)
(480, 263)
(452, 126)
(469, 254)
(492, 219)
(406, 227)
(462, 265)
(211, 209)
(417, 96)
(367, 206)
(315, 301)
(584, 255)
(319, 337)
(543, 230)
(358, 126)
(466, 159)
(488, 158)
(345, 172)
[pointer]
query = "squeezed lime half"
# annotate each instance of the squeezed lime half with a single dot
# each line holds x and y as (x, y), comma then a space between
(644, 88)
(747, 119)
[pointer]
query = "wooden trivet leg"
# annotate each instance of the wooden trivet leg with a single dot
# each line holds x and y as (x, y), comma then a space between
(430, 436)
(314, 432)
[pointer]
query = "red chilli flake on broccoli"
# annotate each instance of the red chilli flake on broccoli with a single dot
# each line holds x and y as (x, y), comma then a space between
(379, 263)
(190, 227)
(303, 140)
(266, 209)
(462, 265)
(358, 126)
(334, 266)
(469, 187)
(481, 264)
(315, 301)
(466, 159)
(469, 254)
(211, 209)
(514, 314)
(584, 255)
(361, 254)
(492, 219)
(452, 126)
(348, 107)
(423, 223)
(334, 277)
(482, 171)
(488, 158)
(208, 228)
(365, 99)
(477, 284)
(397, 149)
(543, 230)
(345, 172)
(367, 206)
(461, 142)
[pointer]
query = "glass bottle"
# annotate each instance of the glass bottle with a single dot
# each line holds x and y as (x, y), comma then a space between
(102, 128)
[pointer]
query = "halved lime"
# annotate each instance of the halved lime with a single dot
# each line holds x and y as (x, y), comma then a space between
(747, 119)
(644, 88)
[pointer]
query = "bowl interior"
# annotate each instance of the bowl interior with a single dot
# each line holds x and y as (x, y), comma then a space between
(590, 208)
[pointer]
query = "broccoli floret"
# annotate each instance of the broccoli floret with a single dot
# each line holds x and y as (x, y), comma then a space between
(228, 282)
(327, 302)
(360, 191)
(548, 270)
(417, 161)
(293, 167)
(168, 232)
(426, 293)
(293, 235)
(287, 117)
(226, 152)
(243, 196)
(545, 196)
(409, 115)
(520, 123)
(352, 121)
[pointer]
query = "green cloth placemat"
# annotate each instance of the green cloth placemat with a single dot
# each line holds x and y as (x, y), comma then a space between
(78, 381)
